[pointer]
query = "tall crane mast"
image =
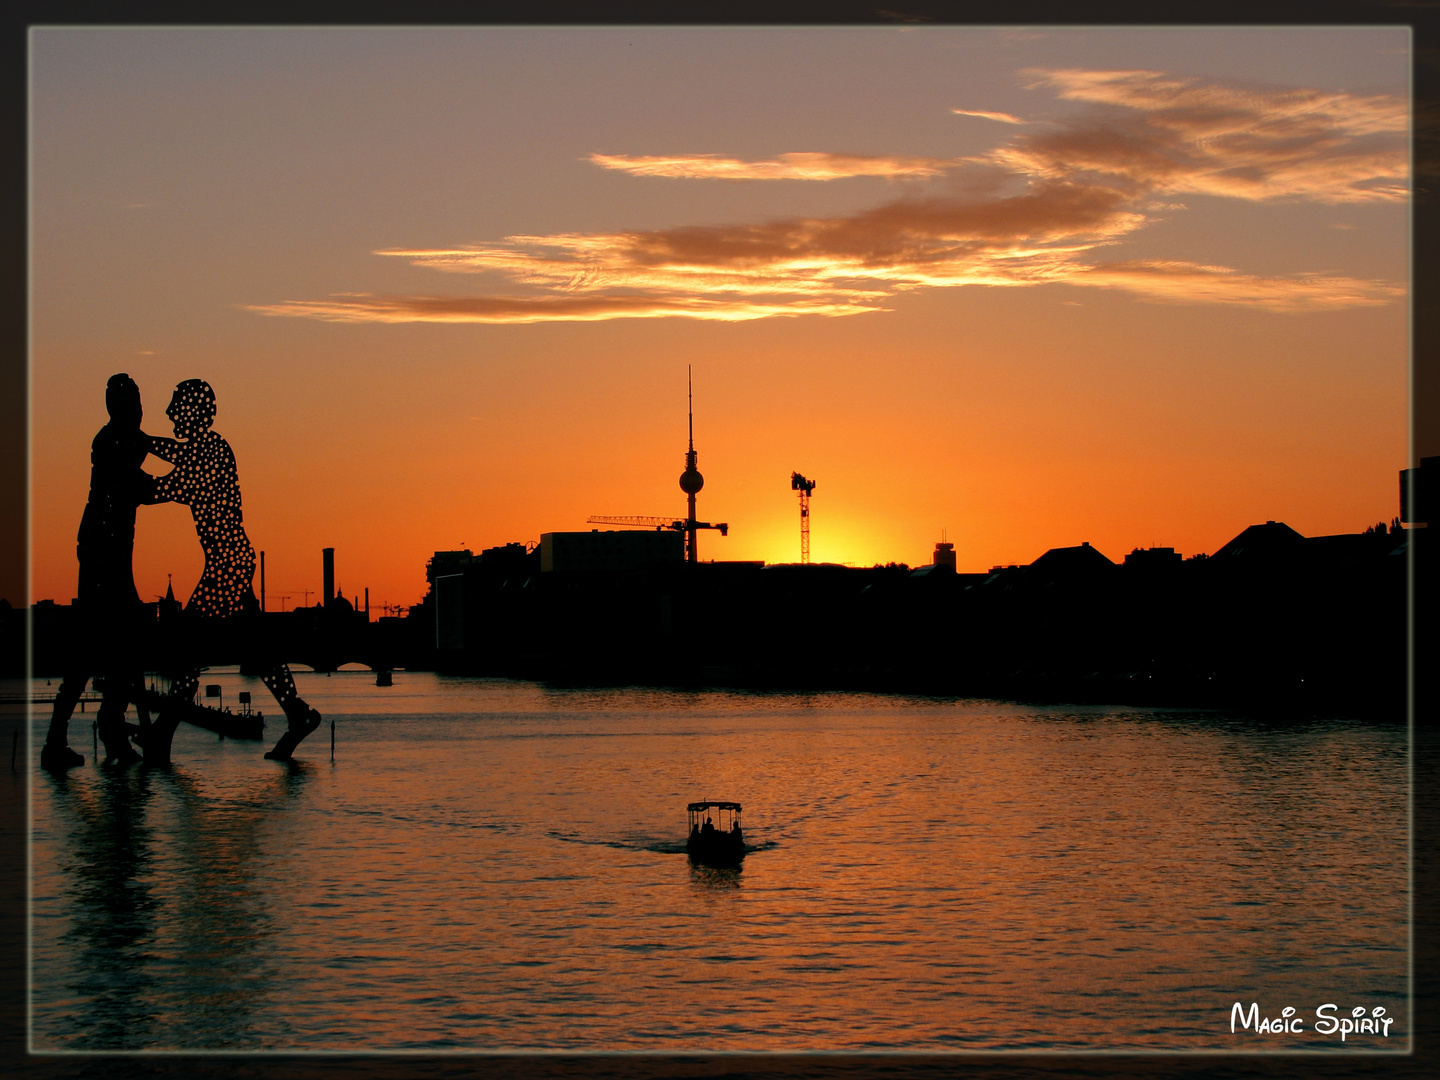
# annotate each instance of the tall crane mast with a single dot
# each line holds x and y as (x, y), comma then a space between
(804, 487)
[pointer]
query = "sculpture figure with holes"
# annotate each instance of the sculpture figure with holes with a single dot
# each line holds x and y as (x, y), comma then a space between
(222, 608)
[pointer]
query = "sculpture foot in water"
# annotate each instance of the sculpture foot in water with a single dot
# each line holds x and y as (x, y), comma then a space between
(300, 726)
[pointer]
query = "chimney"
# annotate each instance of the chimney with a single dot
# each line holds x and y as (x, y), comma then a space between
(329, 556)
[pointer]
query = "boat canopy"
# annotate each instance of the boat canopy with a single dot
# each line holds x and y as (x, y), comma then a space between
(696, 807)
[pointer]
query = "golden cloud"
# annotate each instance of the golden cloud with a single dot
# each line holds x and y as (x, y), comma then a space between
(1002, 117)
(1191, 283)
(795, 166)
(1173, 134)
(1205, 106)
(906, 243)
(1038, 210)
(353, 308)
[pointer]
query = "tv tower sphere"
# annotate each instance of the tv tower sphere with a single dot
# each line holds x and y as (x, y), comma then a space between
(690, 480)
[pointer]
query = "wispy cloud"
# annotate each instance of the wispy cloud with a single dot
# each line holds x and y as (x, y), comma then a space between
(796, 166)
(1171, 134)
(1189, 283)
(359, 308)
(906, 242)
(1201, 105)
(1037, 210)
(1003, 117)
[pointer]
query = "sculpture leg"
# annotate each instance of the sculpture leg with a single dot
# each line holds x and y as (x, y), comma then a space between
(302, 718)
(140, 698)
(56, 753)
(156, 736)
(114, 732)
(157, 732)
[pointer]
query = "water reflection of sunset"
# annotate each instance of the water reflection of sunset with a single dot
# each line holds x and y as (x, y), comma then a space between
(165, 864)
(507, 870)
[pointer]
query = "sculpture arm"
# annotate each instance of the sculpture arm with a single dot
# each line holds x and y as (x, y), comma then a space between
(166, 449)
(172, 486)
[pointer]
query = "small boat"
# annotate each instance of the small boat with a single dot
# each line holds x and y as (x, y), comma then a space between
(717, 842)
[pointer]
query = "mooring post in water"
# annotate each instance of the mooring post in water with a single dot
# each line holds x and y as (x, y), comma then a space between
(332, 740)
(95, 738)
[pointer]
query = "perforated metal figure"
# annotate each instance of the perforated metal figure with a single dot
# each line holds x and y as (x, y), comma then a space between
(108, 606)
(204, 478)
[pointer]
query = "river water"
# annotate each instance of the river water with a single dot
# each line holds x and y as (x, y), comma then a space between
(494, 865)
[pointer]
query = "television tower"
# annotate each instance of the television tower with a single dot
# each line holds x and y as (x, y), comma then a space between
(804, 487)
(690, 480)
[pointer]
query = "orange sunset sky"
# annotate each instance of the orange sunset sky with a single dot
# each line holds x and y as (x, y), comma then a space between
(1031, 287)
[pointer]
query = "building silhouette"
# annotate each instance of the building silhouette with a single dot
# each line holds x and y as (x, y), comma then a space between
(612, 551)
(1271, 618)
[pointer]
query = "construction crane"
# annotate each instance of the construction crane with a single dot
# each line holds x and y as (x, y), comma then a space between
(804, 487)
(638, 521)
(659, 524)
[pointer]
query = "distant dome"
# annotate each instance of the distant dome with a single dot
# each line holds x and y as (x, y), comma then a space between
(691, 481)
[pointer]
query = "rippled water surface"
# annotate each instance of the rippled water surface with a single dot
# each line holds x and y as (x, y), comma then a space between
(498, 865)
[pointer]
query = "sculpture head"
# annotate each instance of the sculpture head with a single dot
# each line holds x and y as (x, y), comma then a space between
(122, 401)
(192, 408)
